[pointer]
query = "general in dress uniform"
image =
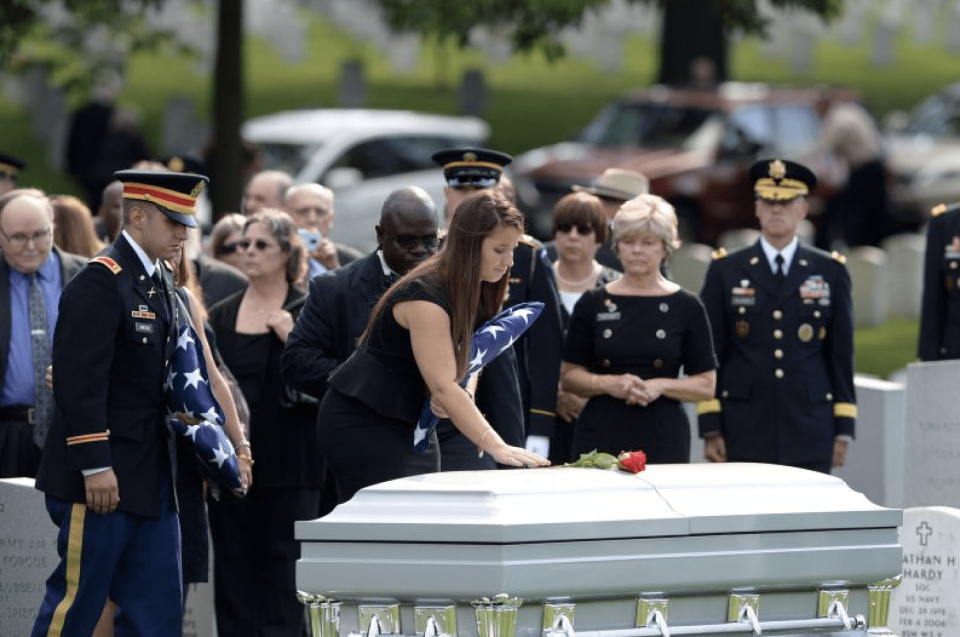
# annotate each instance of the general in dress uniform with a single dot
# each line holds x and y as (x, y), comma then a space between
(783, 329)
(940, 312)
(108, 465)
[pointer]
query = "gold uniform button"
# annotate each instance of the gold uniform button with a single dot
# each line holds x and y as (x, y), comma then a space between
(778, 334)
(658, 363)
(742, 310)
(607, 333)
(144, 340)
(778, 373)
(953, 265)
(605, 362)
(724, 394)
(816, 314)
(829, 396)
(778, 354)
(777, 315)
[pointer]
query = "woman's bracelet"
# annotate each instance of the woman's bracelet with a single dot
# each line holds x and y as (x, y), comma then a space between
(482, 438)
(240, 445)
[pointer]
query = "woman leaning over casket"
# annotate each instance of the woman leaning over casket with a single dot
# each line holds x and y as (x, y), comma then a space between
(416, 345)
(629, 340)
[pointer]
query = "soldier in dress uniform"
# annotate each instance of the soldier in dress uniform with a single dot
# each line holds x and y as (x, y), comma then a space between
(108, 465)
(781, 315)
(940, 312)
(538, 351)
(10, 167)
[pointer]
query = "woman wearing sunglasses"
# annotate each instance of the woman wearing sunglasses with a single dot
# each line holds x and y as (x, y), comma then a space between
(225, 239)
(579, 229)
(638, 346)
(256, 553)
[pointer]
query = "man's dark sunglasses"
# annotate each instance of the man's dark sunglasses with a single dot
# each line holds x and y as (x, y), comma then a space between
(582, 230)
(430, 242)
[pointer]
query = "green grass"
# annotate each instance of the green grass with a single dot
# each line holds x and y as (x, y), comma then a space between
(885, 349)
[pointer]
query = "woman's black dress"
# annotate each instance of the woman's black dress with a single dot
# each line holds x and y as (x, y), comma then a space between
(651, 337)
(368, 415)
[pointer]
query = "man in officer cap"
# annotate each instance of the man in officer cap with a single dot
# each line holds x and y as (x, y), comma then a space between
(107, 467)
(783, 330)
(538, 351)
(10, 167)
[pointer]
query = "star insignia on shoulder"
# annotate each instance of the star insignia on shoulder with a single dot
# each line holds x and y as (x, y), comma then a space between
(839, 258)
(719, 253)
(938, 210)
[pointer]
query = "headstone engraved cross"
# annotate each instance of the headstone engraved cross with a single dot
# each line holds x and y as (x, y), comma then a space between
(926, 604)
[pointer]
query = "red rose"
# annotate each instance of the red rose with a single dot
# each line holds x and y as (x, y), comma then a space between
(633, 461)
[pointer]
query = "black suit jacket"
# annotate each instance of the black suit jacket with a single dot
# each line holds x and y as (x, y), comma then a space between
(332, 319)
(785, 383)
(218, 280)
(111, 348)
(70, 264)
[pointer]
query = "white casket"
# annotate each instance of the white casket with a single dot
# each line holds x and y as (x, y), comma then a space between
(712, 549)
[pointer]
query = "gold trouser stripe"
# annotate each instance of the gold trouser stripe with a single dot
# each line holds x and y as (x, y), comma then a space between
(74, 550)
(708, 407)
(845, 410)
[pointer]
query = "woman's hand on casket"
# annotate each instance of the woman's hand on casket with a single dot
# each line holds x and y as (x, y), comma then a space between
(515, 456)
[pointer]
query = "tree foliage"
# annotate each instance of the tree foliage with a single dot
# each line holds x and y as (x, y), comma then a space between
(537, 24)
(71, 39)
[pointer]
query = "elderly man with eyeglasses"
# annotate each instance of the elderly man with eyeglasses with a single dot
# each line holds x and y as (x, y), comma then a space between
(339, 303)
(30, 264)
(311, 206)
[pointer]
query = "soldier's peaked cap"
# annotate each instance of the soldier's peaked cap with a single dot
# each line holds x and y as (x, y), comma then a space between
(479, 167)
(781, 179)
(10, 165)
(174, 193)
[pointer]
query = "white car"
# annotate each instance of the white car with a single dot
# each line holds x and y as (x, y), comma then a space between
(363, 156)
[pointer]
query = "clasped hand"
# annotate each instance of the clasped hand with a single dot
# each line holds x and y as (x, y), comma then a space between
(634, 390)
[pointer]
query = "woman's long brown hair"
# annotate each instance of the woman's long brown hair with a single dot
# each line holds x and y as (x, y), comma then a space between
(456, 270)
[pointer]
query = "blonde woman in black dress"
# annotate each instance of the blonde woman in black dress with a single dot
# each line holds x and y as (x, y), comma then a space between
(629, 341)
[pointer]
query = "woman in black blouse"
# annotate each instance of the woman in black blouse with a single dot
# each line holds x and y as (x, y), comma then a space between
(629, 340)
(254, 547)
(416, 345)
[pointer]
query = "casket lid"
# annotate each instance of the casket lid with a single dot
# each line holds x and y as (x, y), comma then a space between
(568, 504)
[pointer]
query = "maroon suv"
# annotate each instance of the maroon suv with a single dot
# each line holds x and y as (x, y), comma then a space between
(694, 146)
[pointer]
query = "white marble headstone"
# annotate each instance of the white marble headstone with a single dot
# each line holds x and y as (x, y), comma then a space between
(28, 554)
(926, 603)
(932, 435)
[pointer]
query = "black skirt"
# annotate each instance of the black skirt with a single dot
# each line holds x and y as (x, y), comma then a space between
(363, 447)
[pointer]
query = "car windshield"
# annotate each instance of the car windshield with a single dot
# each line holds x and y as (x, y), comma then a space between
(648, 124)
(937, 116)
(288, 157)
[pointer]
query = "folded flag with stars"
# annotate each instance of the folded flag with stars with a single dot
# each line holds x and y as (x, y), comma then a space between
(195, 413)
(488, 342)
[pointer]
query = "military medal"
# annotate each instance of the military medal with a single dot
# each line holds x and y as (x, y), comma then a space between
(822, 333)
(743, 329)
(805, 332)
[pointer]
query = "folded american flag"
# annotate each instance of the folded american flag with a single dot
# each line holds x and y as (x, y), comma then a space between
(195, 414)
(488, 342)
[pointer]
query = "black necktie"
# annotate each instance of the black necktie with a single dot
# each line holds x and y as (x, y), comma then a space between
(160, 287)
(779, 274)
